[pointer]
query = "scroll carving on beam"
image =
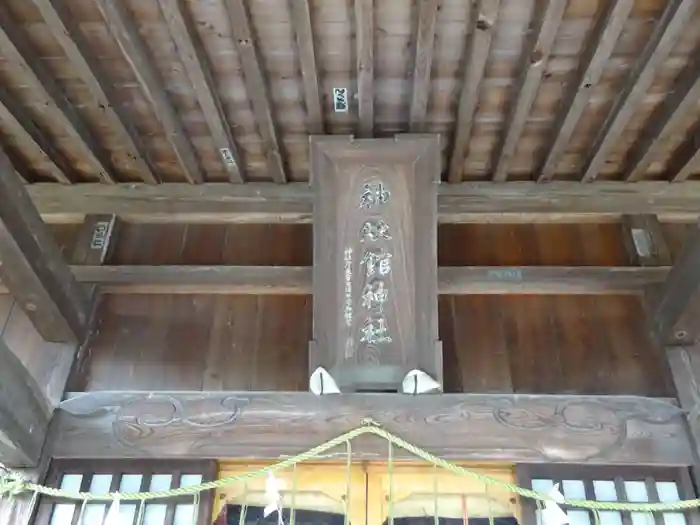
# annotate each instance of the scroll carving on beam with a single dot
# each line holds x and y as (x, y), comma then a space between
(375, 260)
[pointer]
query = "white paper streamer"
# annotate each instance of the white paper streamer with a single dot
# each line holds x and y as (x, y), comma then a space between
(552, 513)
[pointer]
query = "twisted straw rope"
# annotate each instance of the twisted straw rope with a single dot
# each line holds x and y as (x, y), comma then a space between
(13, 486)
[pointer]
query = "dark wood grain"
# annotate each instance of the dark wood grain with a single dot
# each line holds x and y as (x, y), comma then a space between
(303, 30)
(396, 181)
(467, 202)
(558, 429)
(24, 412)
(423, 61)
(364, 55)
(33, 267)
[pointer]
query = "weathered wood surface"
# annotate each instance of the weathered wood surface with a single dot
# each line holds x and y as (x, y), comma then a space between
(674, 312)
(559, 429)
(375, 259)
(33, 268)
(293, 202)
(24, 412)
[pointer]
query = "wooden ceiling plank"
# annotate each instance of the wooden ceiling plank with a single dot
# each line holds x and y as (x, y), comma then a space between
(364, 40)
(483, 20)
(125, 33)
(528, 84)
(664, 120)
(685, 159)
(425, 40)
(466, 202)
(64, 29)
(33, 268)
(38, 78)
(608, 26)
(27, 135)
(301, 22)
(194, 57)
(662, 40)
(256, 86)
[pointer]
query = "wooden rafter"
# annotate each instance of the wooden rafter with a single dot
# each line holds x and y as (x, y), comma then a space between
(684, 160)
(297, 280)
(33, 267)
(534, 62)
(256, 86)
(301, 20)
(466, 202)
(364, 40)
(608, 26)
(124, 31)
(483, 18)
(663, 121)
(423, 62)
(16, 50)
(27, 134)
(66, 32)
(662, 40)
(198, 69)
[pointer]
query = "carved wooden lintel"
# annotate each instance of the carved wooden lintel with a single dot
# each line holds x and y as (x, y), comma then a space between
(375, 259)
(507, 428)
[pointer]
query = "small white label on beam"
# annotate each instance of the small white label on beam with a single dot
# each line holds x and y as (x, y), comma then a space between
(227, 157)
(642, 242)
(340, 100)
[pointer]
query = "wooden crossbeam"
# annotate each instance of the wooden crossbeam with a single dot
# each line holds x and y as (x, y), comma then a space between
(24, 412)
(557, 201)
(525, 89)
(194, 57)
(664, 121)
(26, 134)
(256, 86)
(662, 40)
(423, 61)
(65, 30)
(301, 21)
(293, 280)
(686, 158)
(483, 18)
(609, 24)
(469, 427)
(48, 94)
(33, 268)
(364, 41)
(125, 33)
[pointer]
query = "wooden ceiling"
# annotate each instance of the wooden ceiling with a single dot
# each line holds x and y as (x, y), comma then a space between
(151, 90)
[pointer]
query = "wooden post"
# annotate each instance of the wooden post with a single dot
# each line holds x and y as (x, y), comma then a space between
(375, 260)
(33, 268)
(24, 412)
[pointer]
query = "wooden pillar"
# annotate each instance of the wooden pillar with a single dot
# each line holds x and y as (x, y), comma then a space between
(24, 412)
(375, 260)
(33, 268)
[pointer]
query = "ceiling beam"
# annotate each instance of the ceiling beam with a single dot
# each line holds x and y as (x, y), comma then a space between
(364, 41)
(301, 22)
(534, 61)
(66, 32)
(125, 33)
(483, 19)
(27, 135)
(609, 24)
(256, 86)
(31, 72)
(33, 268)
(557, 201)
(193, 55)
(662, 40)
(665, 119)
(684, 160)
(423, 62)
(297, 280)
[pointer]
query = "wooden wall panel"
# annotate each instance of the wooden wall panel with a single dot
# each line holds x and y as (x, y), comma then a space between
(200, 342)
(550, 344)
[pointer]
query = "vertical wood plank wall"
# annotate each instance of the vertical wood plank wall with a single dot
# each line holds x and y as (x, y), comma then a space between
(520, 343)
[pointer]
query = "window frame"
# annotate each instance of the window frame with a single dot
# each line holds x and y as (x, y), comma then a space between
(525, 473)
(117, 468)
